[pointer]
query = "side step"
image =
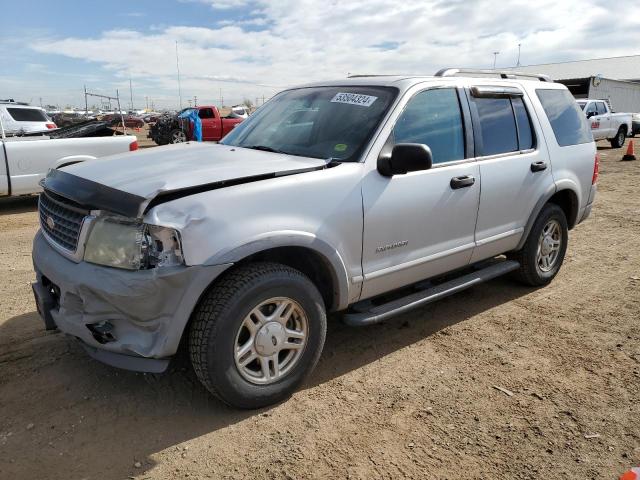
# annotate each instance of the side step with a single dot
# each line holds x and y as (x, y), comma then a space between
(378, 313)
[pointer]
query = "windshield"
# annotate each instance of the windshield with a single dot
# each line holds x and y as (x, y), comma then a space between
(321, 122)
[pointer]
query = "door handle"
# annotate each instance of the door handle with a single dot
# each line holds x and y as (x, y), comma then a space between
(538, 166)
(462, 182)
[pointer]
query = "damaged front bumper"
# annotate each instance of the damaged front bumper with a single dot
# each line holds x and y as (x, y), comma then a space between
(128, 319)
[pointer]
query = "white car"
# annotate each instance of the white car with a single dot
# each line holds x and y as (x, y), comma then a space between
(604, 123)
(19, 118)
(24, 161)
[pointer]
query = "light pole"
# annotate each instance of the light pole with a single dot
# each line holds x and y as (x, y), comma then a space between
(495, 57)
(178, 69)
(518, 63)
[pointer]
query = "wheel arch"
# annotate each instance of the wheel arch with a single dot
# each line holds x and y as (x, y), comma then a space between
(66, 161)
(314, 257)
(565, 197)
(568, 201)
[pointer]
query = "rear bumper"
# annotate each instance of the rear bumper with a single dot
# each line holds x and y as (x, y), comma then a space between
(145, 311)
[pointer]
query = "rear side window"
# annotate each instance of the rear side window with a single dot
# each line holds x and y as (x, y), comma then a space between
(497, 125)
(27, 115)
(567, 120)
(433, 117)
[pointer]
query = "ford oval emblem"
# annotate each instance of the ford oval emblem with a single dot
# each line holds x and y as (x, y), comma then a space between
(50, 223)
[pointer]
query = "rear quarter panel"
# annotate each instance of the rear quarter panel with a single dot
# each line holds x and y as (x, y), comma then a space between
(572, 166)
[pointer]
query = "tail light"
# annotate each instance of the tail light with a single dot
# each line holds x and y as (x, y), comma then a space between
(596, 170)
(51, 126)
(133, 146)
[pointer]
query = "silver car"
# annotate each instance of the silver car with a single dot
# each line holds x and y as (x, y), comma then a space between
(329, 198)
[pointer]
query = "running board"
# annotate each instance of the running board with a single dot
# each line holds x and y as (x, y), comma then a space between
(378, 313)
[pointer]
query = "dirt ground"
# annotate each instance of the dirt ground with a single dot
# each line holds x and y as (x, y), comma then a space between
(412, 398)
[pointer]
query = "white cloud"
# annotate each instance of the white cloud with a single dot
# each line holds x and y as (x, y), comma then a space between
(298, 41)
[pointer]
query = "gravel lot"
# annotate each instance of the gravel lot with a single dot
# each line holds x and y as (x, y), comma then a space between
(412, 398)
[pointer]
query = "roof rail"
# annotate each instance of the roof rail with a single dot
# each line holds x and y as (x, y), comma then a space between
(12, 101)
(361, 75)
(452, 72)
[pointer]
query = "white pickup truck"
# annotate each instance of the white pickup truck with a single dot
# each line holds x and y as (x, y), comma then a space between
(604, 123)
(24, 161)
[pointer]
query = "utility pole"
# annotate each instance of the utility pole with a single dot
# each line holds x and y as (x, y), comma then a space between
(130, 92)
(178, 69)
(518, 63)
(86, 107)
(221, 99)
(495, 57)
(146, 98)
(195, 101)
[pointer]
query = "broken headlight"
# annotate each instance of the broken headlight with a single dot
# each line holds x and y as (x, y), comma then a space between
(122, 243)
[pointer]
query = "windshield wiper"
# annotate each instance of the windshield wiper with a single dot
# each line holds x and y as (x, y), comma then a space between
(264, 148)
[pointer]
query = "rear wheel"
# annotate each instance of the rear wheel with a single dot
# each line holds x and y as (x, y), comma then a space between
(618, 140)
(543, 253)
(257, 334)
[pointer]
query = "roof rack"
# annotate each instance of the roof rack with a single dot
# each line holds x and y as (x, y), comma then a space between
(12, 101)
(452, 72)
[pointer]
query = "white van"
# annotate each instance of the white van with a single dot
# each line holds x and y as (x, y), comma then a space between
(21, 118)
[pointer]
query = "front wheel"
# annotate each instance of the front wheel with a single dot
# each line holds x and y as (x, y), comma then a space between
(543, 253)
(257, 334)
(178, 136)
(618, 140)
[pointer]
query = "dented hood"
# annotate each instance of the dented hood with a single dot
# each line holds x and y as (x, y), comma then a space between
(128, 183)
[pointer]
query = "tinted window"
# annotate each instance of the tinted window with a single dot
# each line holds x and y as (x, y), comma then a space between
(525, 135)
(601, 108)
(28, 115)
(567, 121)
(206, 113)
(497, 125)
(433, 117)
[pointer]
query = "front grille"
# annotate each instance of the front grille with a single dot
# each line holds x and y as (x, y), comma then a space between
(61, 220)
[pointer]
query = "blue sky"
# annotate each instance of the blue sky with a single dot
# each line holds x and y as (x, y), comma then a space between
(253, 48)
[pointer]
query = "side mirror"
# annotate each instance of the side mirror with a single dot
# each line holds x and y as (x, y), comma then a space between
(405, 158)
(590, 114)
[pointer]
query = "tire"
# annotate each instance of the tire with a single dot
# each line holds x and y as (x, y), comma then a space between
(177, 136)
(618, 140)
(533, 270)
(219, 323)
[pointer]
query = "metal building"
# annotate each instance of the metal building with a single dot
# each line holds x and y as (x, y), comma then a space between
(615, 79)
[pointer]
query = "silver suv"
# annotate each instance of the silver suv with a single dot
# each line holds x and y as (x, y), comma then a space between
(353, 196)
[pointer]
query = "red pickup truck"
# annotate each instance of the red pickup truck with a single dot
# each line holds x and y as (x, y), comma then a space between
(171, 129)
